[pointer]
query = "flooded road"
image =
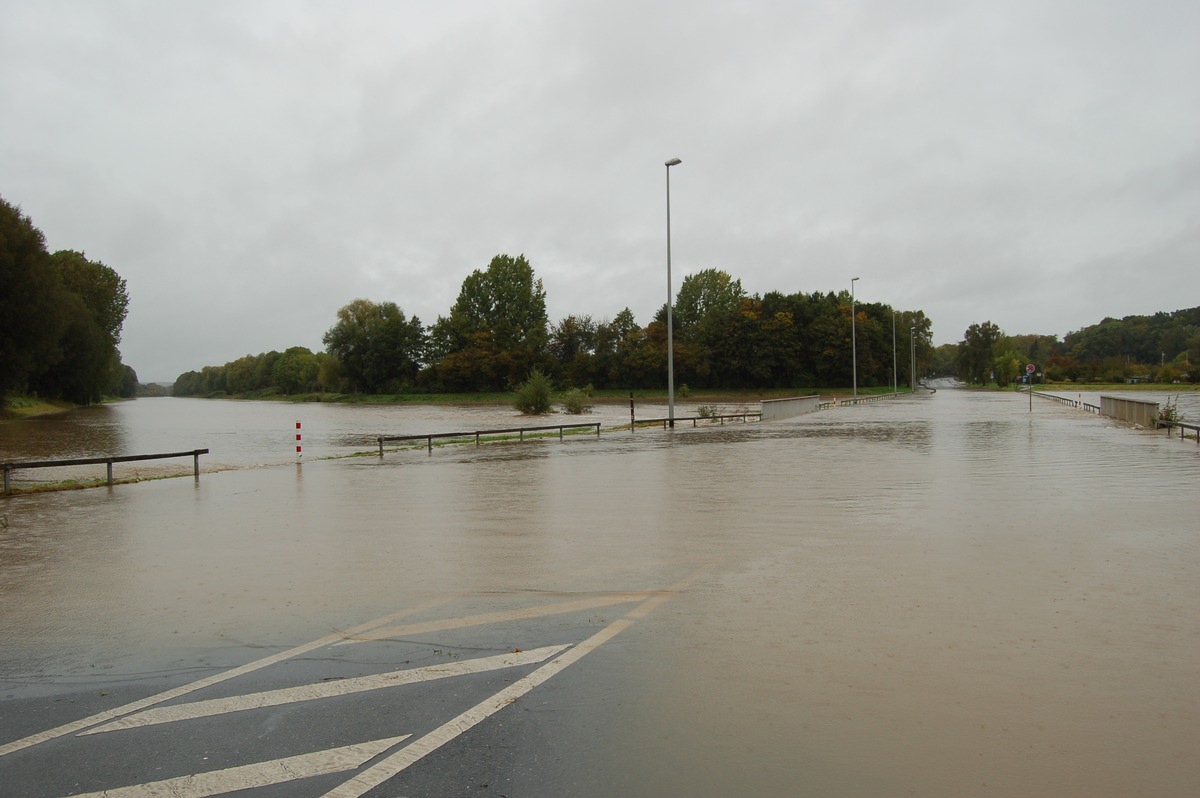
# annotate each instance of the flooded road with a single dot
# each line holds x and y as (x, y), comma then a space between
(943, 595)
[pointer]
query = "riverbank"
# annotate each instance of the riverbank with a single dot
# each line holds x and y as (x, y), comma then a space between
(19, 407)
(1096, 387)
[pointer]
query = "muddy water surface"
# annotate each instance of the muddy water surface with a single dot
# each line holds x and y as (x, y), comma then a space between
(946, 596)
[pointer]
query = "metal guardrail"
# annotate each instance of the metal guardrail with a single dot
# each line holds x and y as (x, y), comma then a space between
(479, 434)
(1183, 427)
(1068, 401)
(867, 399)
(107, 460)
(647, 422)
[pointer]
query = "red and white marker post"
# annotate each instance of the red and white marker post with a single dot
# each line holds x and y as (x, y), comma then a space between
(299, 446)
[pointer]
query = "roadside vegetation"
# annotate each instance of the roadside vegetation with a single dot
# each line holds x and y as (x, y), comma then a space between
(60, 322)
(61, 316)
(1131, 352)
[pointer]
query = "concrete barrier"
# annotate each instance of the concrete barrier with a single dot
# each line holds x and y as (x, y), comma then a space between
(1135, 411)
(774, 409)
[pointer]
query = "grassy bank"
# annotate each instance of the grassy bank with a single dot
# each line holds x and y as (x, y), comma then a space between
(1096, 387)
(18, 407)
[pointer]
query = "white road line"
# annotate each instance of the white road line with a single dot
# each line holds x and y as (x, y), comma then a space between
(382, 771)
(411, 753)
(494, 617)
(260, 774)
(101, 717)
(311, 692)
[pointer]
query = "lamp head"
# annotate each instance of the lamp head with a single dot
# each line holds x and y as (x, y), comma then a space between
(674, 162)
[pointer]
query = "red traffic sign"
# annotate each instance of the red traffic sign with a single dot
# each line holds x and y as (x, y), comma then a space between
(1029, 369)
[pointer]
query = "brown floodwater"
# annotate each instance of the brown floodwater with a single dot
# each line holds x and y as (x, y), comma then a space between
(944, 595)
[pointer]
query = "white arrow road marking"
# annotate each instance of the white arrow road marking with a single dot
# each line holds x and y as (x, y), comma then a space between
(494, 617)
(260, 774)
(100, 717)
(311, 692)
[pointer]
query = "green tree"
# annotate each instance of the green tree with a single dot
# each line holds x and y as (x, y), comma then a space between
(705, 296)
(500, 316)
(572, 347)
(975, 352)
(1007, 367)
(102, 290)
(241, 375)
(941, 363)
(378, 347)
(32, 317)
(297, 370)
(80, 366)
(125, 384)
(85, 363)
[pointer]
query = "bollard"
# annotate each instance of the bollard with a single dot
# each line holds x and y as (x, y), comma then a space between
(299, 446)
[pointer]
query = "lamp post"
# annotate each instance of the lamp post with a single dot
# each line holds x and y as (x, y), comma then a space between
(895, 378)
(853, 339)
(670, 331)
(912, 345)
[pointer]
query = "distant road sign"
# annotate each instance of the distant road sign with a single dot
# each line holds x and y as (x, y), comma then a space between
(1029, 369)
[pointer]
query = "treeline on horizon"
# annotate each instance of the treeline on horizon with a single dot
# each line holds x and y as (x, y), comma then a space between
(61, 316)
(1154, 348)
(60, 319)
(497, 333)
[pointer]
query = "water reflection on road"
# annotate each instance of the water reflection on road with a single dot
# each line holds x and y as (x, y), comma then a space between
(947, 595)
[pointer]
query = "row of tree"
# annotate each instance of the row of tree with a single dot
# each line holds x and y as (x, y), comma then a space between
(60, 319)
(497, 333)
(1157, 348)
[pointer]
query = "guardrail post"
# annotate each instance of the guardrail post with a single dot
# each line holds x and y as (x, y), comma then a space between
(7, 488)
(196, 465)
(430, 440)
(381, 447)
(109, 464)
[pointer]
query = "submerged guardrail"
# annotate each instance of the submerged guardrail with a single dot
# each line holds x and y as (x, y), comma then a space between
(479, 434)
(1078, 404)
(866, 398)
(107, 460)
(647, 422)
(1183, 427)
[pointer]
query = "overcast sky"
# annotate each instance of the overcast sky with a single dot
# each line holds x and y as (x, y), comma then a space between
(251, 167)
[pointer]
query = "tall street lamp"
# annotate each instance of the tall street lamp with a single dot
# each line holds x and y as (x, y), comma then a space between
(912, 345)
(670, 331)
(853, 339)
(895, 378)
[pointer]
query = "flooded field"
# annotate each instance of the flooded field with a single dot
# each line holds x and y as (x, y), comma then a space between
(939, 595)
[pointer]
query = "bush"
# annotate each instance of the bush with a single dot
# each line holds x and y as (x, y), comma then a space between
(577, 401)
(533, 397)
